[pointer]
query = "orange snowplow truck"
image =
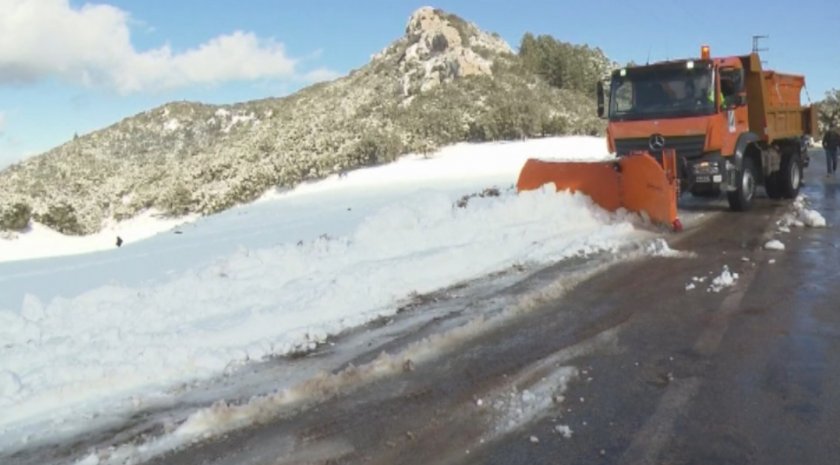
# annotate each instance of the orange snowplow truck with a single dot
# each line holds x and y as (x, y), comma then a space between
(705, 125)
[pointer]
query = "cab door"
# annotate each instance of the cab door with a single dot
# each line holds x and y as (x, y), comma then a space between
(732, 98)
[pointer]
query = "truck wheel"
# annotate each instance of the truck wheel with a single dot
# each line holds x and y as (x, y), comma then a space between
(773, 185)
(741, 199)
(790, 176)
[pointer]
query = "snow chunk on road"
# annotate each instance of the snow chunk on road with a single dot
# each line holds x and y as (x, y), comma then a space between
(724, 280)
(518, 409)
(812, 218)
(774, 244)
(801, 216)
(659, 248)
(563, 430)
(695, 280)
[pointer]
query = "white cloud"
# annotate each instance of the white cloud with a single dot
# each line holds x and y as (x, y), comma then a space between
(320, 74)
(91, 45)
(2, 122)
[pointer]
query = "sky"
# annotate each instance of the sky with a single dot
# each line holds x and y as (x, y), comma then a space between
(72, 67)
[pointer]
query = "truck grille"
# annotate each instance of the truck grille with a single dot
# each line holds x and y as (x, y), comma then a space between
(686, 146)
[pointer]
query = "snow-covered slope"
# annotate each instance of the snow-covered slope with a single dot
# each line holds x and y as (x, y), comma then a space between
(99, 332)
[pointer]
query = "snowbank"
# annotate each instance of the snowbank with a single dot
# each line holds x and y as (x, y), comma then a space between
(114, 341)
(65, 359)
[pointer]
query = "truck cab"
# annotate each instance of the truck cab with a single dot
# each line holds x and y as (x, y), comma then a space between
(733, 125)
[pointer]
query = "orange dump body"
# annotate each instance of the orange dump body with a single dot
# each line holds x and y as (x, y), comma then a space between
(784, 116)
(636, 182)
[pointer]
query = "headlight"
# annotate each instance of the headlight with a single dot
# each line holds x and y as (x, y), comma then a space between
(704, 167)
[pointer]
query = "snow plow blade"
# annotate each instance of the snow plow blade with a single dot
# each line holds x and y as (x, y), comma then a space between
(636, 182)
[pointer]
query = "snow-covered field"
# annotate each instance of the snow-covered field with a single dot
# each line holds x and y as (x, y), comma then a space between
(85, 334)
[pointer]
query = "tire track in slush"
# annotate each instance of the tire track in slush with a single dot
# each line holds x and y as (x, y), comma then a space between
(657, 430)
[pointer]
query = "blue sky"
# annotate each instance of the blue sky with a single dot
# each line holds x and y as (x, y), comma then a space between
(69, 66)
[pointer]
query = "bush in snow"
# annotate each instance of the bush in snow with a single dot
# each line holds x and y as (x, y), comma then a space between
(177, 201)
(62, 218)
(375, 148)
(15, 217)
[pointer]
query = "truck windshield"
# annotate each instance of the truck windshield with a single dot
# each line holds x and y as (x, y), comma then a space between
(662, 93)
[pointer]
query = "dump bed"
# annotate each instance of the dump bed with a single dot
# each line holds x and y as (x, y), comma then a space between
(774, 100)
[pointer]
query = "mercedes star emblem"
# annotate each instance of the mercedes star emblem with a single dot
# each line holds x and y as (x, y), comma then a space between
(656, 142)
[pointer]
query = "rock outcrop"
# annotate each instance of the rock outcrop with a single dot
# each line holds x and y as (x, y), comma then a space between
(443, 47)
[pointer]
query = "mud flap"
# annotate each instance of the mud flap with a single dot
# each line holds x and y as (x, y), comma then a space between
(636, 182)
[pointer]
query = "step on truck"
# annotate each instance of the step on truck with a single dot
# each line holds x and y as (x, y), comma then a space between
(707, 126)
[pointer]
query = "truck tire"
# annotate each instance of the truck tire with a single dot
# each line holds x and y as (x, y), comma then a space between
(790, 176)
(742, 197)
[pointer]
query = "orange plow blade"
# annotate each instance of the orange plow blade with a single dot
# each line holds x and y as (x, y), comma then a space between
(636, 182)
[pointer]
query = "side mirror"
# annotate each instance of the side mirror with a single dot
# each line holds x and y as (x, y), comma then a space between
(738, 100)
(600, 99)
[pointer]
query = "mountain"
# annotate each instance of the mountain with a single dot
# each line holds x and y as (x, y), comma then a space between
(444, 81)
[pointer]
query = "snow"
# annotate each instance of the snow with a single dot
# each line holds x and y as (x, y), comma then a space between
(563, 430)
(497, 162)
(41, 241)
(235, 119)
(801, 216)
(9, 383)
(695, 281)
(171, 124)
(725, 279)
(812, 218)
(774, 244)
(90, 459)
(101, 332)
(516, 408)
(659, 248)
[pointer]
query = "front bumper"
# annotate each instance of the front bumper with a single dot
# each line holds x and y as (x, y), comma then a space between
(708, 174)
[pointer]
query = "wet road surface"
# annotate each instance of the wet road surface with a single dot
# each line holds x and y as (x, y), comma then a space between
(627, 367)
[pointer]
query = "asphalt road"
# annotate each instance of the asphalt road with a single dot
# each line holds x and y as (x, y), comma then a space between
(653, 373)
(656, 374)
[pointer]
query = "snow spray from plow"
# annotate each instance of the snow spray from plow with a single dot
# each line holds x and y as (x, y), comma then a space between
(636, 182)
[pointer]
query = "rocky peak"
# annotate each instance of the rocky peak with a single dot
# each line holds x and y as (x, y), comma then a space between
(429, 23)
(441, 47)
